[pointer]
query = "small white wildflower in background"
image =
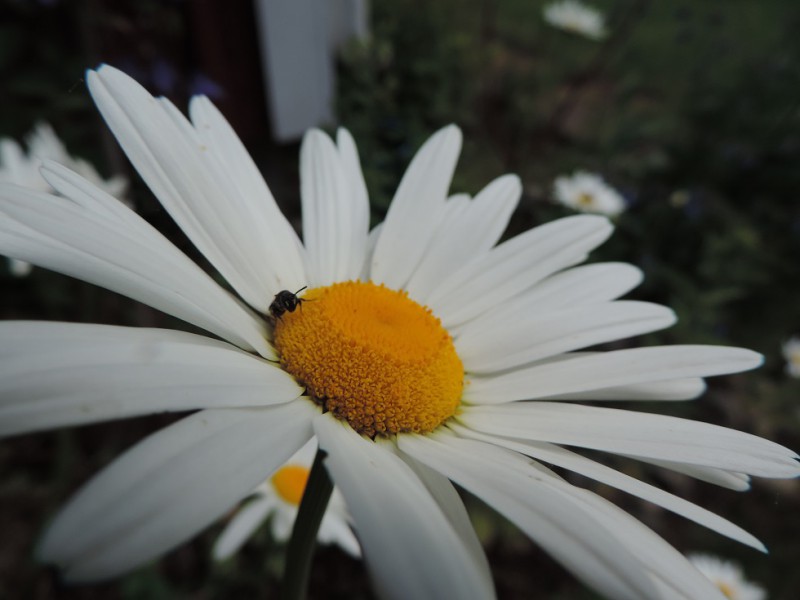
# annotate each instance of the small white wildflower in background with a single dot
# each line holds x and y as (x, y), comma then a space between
(587, 192)
(279, 497)
(21, 168)
(791, 352)
(43, 143)
(728, 577)
(576, 17)
(19, 268)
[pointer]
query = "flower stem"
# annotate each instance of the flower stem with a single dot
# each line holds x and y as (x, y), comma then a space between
(304, 535)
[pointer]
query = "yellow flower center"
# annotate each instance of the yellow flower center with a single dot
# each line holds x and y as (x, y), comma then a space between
(373, 357)
(585, 199)
(290, 483)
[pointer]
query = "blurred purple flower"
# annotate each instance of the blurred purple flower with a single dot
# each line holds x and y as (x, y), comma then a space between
(163, 77)
(204, 85)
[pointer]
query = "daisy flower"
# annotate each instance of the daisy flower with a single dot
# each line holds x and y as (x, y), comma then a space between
(422, 354)
(576, 17)
(791, 353)
(588, 192)
(23, 169)
(728, 577)
(278, 499)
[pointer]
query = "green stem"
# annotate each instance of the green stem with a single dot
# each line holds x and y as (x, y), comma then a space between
(304, 535)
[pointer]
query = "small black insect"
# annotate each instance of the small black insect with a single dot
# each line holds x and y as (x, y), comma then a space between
(285, 301)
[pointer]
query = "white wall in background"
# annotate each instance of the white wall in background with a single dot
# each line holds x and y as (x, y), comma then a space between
(299, 40)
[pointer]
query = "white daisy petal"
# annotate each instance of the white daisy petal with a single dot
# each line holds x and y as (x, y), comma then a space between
(676, 389)
(727, 479)
(635, 434)
(450, 502)
(414, 214)
(283, 523)
(358, 213)
(245, 256)
(456, 207)
(176, 165)
(597, 282)
(671, 389)
(372, 240)
(83, 192)
(241, 527)
(334, 530)
(170, 486)
(275, 240)
(115, 248)
(516, 265)
(587, 284)
(452, 212)
(467, 235)
(328, 211)
(527, 497)
(561, 457)
(609, 369)
(675, 576)
(115, 372)
(539, 335)
(409, 544)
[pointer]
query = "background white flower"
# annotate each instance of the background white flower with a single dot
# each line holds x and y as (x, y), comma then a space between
(728, 577)
(277, 500)
(43, 143)
(576, 17)
(588, 192)
(21, 168)
(791, 353)
(17, 167)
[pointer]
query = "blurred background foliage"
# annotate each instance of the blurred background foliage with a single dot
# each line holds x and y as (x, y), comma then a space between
(691, 110)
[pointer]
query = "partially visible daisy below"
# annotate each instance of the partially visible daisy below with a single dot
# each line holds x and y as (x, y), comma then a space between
(728, 577)
(791, 353)
(278, 499)
(420, 354)
(588, 192)
(576, 17)
(21, 168)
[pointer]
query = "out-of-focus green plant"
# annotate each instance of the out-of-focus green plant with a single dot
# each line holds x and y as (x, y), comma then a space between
(414, 74)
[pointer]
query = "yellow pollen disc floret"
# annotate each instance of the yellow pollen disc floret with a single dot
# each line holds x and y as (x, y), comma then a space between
(290, 483)
(372, 356)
